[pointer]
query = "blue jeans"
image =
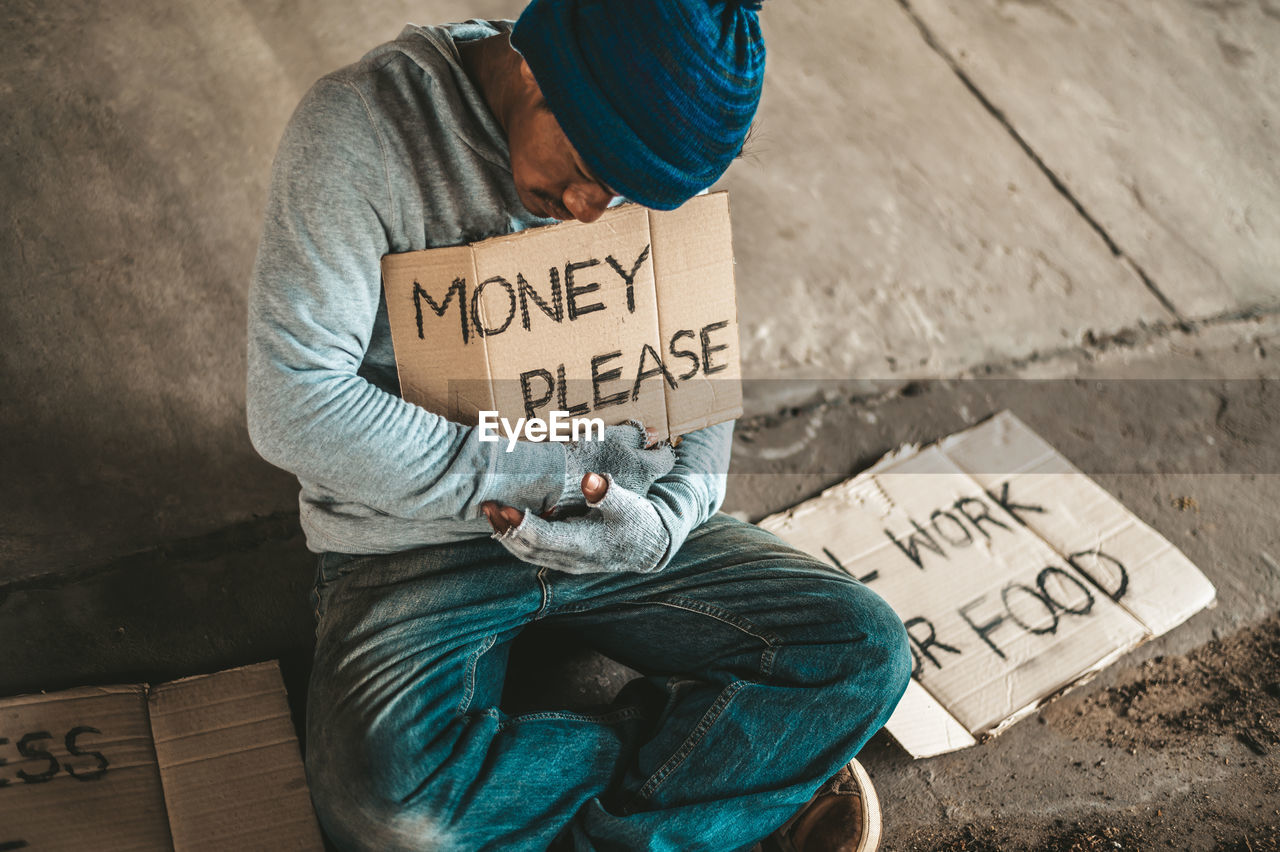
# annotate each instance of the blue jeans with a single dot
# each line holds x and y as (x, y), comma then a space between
(764, 671)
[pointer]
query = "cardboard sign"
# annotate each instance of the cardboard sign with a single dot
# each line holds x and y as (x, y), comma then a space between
(77, 771)
(207, 762)
(631, 316)
(1015, 575)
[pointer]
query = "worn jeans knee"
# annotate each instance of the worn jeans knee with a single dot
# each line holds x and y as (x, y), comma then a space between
(359, 815)
(884, 646)
(367, 786)
(857, 667)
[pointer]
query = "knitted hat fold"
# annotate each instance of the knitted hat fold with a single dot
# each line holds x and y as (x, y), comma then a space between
(657, 96)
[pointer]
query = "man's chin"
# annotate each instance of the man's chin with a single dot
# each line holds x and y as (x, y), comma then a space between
(534, 206)
(545, 211)
(542, 210)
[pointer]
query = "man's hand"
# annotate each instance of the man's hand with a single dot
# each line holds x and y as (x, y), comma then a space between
(503, 518)
(626, 453)
(620, 532)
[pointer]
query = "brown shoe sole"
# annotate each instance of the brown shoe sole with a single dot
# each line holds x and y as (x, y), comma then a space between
(872, 819)
(869, 805)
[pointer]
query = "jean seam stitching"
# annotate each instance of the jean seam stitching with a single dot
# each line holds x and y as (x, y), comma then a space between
(771, 640)
(704, 724)
(469, 681)
(317, 608)
(600, 718)
(721, 614)
(546, 593)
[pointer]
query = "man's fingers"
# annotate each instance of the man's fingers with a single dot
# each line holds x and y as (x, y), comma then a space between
(491, 513)
(502, 518)
(594, 487)
(649, 435)
(646, 436)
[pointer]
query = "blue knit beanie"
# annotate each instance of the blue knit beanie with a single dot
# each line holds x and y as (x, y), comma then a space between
(657, 96)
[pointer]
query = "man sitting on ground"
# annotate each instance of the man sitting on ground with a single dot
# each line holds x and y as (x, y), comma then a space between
(764, 671)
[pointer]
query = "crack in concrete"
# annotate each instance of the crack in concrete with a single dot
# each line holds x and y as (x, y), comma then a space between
(1058, 184)
(1092, 343)
(1128, 337)
(245, 535)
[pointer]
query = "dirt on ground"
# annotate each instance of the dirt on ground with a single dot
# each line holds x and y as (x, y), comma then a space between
(1105, 839)
(1190, 707)
(1230, 685)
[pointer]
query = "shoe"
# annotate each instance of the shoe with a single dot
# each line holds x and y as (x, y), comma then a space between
(843, 816)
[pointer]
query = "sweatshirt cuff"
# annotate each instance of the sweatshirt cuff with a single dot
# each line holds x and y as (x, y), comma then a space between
(677, 509)
(531, 476)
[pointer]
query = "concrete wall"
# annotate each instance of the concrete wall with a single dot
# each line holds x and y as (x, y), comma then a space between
(136, 145)
(889, 223)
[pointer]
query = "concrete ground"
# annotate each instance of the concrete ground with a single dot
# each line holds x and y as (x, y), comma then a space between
(1064, 208)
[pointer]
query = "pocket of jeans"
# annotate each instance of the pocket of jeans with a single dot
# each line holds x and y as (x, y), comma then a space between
(330, 567)
(318, 586)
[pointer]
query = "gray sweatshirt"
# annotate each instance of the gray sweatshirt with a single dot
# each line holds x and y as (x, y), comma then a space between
(396, 153)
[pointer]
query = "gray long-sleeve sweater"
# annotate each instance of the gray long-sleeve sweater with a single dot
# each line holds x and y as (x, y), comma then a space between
(396, 153)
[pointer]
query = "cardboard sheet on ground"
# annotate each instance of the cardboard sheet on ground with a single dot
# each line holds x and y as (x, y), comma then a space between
(1015, 574)
(631, 316)
(203, 763)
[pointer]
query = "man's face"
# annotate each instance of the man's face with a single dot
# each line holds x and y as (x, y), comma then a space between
(549, 175)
